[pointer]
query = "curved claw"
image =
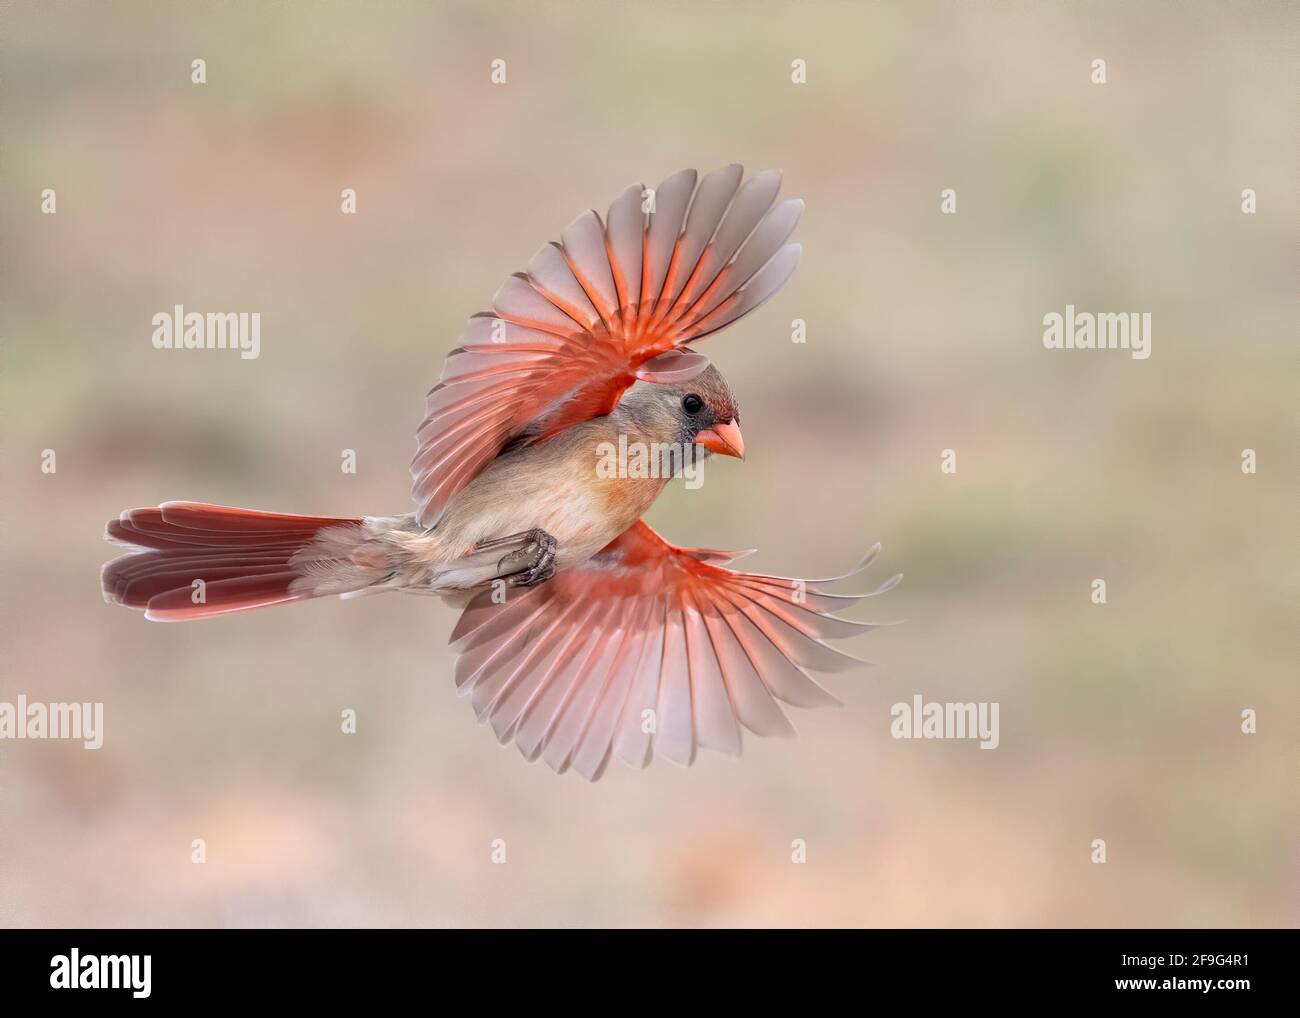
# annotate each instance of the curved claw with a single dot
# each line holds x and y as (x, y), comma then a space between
(539, 553)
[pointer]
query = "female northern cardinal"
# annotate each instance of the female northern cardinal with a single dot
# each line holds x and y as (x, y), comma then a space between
(609, 640)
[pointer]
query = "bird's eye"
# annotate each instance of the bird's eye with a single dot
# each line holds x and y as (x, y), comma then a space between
(692, 403)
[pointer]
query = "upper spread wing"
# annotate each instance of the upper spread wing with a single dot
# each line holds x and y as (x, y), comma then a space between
(581, 324)
(648, 648)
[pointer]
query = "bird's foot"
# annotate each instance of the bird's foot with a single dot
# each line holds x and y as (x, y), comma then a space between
(531, 560)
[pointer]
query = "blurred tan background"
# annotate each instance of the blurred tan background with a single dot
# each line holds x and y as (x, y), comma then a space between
(924, 333)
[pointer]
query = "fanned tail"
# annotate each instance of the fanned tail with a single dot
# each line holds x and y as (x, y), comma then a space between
(201, 560)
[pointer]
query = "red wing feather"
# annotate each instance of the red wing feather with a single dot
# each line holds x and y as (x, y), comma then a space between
(648, 648)
(566, 338)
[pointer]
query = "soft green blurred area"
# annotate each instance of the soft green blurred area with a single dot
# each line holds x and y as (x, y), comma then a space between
(924, 333)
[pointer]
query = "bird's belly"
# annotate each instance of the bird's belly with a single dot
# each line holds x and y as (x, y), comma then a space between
(585, 518)
(579, 527)
(581, 515)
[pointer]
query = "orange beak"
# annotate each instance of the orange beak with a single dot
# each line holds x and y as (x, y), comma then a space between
(723, 439)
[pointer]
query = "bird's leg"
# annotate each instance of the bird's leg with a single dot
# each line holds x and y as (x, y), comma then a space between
(522, 560)
(529, 560)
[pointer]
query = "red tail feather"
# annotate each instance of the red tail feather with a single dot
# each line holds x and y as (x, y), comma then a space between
(209, 560)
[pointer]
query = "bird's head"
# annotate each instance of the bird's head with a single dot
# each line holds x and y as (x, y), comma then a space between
(700, 411)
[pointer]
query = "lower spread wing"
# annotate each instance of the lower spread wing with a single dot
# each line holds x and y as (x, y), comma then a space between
(614, 301)
(649, 648)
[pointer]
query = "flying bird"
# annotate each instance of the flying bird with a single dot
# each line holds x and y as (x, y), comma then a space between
(584, 635)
